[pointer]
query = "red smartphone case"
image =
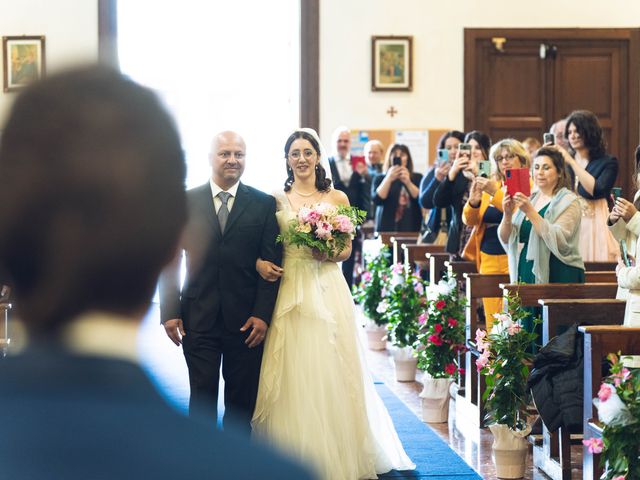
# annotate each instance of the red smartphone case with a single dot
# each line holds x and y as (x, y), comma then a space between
(517, 180)
(355, 161)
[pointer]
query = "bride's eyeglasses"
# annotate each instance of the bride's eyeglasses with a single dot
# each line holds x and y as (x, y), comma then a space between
(308, 154)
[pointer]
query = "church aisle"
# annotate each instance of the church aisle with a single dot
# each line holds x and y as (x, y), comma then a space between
(168, 368)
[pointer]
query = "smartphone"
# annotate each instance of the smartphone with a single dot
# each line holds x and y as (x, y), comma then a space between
(548, 138)
(443, 156)
(616, 192)
(397, 161)
(517, 180)
(484, 169)
(464, 149)
(623, 253)
(355, 161)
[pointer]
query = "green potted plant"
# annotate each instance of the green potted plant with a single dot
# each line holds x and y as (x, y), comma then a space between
(618, 405)
(371, 294)
(440, 340)
(405, 303)
(504, 361)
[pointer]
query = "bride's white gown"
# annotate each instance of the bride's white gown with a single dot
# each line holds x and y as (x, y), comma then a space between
(316, 399)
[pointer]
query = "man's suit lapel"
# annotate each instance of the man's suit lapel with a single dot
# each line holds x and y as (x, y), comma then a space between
(241, 202)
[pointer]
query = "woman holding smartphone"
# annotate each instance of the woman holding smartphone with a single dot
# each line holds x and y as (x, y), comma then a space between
(483, 212)
(596, 173)
(546, 226)
(439, 219)
(453, 191)
(395, 193)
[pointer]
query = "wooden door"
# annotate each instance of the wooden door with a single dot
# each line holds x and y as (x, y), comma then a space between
(519, 81)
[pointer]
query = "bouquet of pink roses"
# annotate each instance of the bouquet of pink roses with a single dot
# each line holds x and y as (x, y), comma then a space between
(324, 227)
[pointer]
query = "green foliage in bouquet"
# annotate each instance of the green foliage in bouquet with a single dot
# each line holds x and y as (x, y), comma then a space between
(324, 227)
(618, 406)
(373, 288)
(504, 361)
(441, 334)
(406, 301)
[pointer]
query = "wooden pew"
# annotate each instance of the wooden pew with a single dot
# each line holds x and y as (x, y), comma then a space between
(469, 401)
(417, 253)
(600, 266)
(436, 265)
(459, 268)
(367, 231)
(531, 293)
(601, 277)
(402, 237)
(599, 341)
(553, 457)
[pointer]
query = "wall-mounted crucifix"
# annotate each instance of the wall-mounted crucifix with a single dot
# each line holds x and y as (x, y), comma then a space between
(392, 111)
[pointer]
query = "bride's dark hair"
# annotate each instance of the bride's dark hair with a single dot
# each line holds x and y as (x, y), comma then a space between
(323, 184)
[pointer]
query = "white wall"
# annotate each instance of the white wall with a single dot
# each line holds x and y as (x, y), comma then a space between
(346, 27)
(70, 28)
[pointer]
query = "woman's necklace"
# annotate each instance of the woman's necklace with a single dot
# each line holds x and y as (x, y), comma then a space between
(304, 194)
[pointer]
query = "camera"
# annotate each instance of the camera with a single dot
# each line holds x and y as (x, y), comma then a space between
(397, 161)
(443, 156)
(548, 138)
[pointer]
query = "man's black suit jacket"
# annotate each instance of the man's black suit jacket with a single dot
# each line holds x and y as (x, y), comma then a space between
(221, 268)
(72, 417)
(359, 189)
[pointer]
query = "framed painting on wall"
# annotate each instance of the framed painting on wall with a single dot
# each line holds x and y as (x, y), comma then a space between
(391, 67)
(23, 61)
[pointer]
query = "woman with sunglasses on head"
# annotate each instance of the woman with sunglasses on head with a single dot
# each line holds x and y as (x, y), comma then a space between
(483, 212)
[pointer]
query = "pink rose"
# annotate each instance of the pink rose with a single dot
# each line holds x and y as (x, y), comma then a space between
(594, 445)
(323, 230)
(437, 327)
(514, 328)
(308, 215)
(604, 393)
(422, 319)
(440, 304)
(398, 269)
(619, 477)
(436, 340)
(366, 277)
(343, 224)
(450, 369)
(452, 322)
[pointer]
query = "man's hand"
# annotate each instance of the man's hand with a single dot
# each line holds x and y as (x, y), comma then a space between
(258, 331)
(268, 270)
(175, 330)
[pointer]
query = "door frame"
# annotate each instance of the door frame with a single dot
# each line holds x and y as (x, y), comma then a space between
(630, 109)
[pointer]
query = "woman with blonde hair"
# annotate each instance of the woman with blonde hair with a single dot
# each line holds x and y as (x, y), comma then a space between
(483, 212)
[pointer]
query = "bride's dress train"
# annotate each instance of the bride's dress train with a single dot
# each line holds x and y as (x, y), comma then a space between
(316, 399)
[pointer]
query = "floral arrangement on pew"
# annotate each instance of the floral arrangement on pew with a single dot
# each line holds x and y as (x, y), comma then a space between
(373, 287)
(440, 340)
(618, 405)
(404, 304)
(504, 362)
(324, 227)
(371, 294)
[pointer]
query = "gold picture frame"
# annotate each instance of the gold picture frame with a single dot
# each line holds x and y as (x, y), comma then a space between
(23, 61)
(391, 63)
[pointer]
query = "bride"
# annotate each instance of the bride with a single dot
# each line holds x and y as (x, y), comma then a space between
(316, 399)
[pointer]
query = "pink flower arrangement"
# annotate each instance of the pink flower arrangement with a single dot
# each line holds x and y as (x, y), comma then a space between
(324, 227)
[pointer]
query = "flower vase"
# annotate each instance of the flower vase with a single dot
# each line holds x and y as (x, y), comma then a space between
(376, 336)
(435, 398)
(509, 450)
(406, 364)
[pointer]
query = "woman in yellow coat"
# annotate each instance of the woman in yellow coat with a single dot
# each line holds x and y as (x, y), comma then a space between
(483, 212)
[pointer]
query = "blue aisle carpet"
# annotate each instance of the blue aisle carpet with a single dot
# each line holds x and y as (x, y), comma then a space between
(433, 457)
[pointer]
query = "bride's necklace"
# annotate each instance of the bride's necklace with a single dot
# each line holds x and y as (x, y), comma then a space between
(304, 194)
